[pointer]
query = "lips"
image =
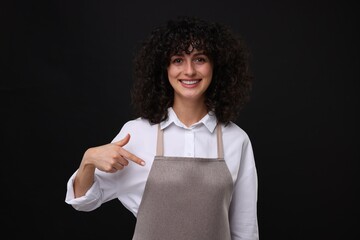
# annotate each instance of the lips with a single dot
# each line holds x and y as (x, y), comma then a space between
(190, 82)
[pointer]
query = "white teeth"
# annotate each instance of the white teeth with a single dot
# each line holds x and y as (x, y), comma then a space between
(190, 82)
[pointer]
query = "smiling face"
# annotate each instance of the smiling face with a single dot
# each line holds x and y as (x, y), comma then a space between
(190, 75)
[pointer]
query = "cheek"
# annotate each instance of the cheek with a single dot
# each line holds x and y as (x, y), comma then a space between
(172, 72)
(206, 70)
(210, 72)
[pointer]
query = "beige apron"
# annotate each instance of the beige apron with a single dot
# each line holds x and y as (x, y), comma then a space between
(185, 198)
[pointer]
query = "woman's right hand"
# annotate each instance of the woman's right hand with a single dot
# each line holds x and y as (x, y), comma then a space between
(111, 157)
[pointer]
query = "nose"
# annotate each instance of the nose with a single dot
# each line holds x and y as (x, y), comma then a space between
(189, 68)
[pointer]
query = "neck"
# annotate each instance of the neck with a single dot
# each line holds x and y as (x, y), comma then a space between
(189, 112)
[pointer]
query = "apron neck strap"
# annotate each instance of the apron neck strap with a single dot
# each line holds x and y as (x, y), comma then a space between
(160, 142)
(220, 146)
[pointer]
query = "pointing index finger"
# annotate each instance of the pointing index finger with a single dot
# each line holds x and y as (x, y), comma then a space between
(132, 157)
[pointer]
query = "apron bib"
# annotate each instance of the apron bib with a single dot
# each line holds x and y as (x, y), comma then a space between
(185, 198)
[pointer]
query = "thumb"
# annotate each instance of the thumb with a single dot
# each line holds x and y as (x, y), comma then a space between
(123, 141)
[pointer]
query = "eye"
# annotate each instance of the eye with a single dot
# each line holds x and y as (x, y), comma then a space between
(200, 60)
(176, 60)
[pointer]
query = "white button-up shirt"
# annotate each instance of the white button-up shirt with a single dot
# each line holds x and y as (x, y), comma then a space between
(198, 140)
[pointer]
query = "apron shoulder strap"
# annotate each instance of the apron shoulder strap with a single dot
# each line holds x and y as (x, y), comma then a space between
(220, 146)
(160, 142)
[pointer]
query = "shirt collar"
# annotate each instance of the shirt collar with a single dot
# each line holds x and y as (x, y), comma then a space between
(209, 120)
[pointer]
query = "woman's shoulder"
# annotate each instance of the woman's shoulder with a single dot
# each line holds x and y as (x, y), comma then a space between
(139, 125)
(138, 122)
(234, 132)
(136, 128)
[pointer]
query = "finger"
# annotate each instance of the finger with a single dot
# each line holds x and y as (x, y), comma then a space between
(129, 156)
(123, 161)
(118, 166)
(111, 170)
(123, 141)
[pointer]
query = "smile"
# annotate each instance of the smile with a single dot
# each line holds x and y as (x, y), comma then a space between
(190, 82)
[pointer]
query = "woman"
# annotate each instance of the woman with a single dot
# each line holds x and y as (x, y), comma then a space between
(199, 182)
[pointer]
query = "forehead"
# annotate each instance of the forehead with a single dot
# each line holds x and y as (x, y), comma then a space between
(192, 52)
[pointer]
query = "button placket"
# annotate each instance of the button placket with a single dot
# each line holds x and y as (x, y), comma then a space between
(189, 144)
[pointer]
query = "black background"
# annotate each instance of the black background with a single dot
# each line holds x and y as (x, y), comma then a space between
(65, 81)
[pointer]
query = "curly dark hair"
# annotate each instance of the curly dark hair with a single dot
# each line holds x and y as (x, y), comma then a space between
(231, 84)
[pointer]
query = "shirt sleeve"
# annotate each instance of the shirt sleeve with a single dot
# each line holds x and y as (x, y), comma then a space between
(243, 208)
(88, 202)
(103, 189)
(126, 185)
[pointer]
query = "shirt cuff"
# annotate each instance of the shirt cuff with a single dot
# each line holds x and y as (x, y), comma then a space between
(87, 202)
